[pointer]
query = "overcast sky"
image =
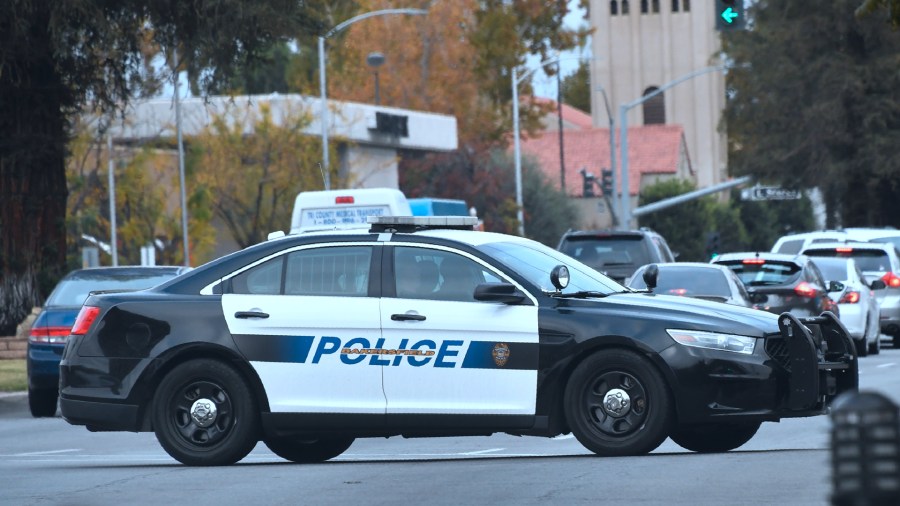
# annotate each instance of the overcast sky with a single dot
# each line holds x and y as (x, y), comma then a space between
(545, 86)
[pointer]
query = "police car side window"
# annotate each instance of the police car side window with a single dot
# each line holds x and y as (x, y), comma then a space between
(422, 273)
(336, 271)
(264, 279)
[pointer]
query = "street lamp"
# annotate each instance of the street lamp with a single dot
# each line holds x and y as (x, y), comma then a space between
(324, 100)
(376, 60)
(616, 197)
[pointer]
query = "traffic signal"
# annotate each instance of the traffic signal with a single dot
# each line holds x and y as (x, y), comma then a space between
(730, 15)
(712, 245)
(606, 182)
(587, 188)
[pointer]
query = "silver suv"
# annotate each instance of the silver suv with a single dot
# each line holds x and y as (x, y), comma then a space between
(616, 253)
(877, 261)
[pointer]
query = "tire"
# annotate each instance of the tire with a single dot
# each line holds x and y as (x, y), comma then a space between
(305, 451)
(714, 437)
(862, 349)
(638, 427)
(42, 402)
(875, 346)
(233, 429)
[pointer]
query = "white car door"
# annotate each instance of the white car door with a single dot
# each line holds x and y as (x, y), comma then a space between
(447, 353)
(294, 315)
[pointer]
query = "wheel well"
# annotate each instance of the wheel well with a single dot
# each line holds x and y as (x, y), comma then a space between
(599, 345)
(178, 356)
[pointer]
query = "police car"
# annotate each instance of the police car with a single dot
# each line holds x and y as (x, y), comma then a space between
(423, 327)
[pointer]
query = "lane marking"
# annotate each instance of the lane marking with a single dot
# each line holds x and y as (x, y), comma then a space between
(482, 452)
(50, 452)
(882, 366)
(562, 437)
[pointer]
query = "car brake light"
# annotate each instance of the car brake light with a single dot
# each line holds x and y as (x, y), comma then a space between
(754, 261)
(85, 319)
(804, 289)
(849, 298)
(891, 280)
(49, 335)
(678, 291)
(344, 200)
(843, 250)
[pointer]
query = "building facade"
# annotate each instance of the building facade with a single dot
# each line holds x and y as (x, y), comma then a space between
(639, 46)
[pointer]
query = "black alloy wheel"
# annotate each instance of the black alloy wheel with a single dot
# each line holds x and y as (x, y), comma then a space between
(304, 450)
(617, 403)
(204, 414)
(714, 437)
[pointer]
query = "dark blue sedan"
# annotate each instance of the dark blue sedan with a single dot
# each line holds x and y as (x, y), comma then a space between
(51, 328)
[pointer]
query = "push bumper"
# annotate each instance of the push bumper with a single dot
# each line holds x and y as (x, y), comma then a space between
(820, 357)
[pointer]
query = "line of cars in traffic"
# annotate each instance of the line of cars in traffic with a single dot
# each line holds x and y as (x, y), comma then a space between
(852, 273)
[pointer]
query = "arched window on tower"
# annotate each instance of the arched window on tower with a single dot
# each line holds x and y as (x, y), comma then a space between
(654, 4)
(613, 7)
(675, 5)
(644, 7)
(686, 5)
(625, 8)
(654, 108)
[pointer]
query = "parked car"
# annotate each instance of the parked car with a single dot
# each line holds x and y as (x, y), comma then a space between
(877, 261)
(616, 253)
(52, 326)
(859, 307)
(421, 326)
(782, 283)
(692, 279)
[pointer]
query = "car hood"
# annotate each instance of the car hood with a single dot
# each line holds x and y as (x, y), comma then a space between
(684, 313)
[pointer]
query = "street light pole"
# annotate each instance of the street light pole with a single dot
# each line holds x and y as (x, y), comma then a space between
(113, 242)
(625, 222)
(616, 197)
(520, 212)
(323, 116)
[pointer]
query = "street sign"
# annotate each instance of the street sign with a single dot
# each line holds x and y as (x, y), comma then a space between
(769, 193)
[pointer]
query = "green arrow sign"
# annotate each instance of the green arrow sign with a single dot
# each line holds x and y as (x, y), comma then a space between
(729, 15)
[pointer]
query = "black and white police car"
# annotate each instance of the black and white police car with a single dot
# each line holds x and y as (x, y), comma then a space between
(424, 327)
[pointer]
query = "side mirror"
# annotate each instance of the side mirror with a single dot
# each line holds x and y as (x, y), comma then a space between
(499, 292)
(650, 275)
(878, 284)
(835, 286)
(759, 298)
(559, 276)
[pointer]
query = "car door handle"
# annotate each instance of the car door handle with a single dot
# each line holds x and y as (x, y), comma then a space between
(251, 314)
(407, 317)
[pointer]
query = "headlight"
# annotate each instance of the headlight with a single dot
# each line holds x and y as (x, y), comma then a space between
(713, 340)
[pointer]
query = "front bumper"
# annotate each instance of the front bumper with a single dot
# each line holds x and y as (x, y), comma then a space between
(794, 373)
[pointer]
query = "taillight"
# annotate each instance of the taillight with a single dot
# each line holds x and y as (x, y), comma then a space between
(849, 298)
(804, 289)
(48, 335)
(891, 280)
(85, 319)
(843, 250)
(753, 261)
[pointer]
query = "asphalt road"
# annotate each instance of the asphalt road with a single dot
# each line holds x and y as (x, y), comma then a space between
(48, 462)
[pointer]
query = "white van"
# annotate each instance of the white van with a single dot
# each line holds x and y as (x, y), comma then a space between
(331, 209)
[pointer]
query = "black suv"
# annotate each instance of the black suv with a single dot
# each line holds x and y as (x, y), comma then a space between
(616, 253)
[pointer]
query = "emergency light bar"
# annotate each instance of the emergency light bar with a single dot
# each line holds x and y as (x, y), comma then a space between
(416, 223)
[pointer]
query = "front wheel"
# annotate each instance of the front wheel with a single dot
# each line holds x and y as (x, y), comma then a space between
(714, 437)
(616, 403)
(306, 451)
(204, 414)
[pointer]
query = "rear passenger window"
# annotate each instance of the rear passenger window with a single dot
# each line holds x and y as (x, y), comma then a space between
(336, 271)
(790, 247)
(264, 279)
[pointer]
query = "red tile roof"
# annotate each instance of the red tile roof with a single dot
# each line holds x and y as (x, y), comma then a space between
(576, 117)
(652, 149)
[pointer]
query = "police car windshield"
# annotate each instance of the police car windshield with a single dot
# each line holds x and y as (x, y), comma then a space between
(534, 261)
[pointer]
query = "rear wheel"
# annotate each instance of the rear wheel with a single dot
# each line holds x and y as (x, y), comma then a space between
(617, 403)
(714, 437)
(304, 450)
(862, 349)
(875, 345)
(204, 414)
(42, 402)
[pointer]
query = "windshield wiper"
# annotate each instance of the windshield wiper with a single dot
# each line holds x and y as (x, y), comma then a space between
(582, 294)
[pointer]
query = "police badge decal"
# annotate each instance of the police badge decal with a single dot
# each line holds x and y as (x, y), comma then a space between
(500, 354)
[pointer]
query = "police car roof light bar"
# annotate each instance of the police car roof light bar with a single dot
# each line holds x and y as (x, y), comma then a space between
(416, 223)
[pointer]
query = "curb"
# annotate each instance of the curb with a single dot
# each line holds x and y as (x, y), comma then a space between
(7, 395)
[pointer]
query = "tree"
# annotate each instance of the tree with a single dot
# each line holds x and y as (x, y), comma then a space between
(825, 112)
(253, 179)
(57, 55)
(684, 226)
(484, 177)
(870, 7)
(576, 87)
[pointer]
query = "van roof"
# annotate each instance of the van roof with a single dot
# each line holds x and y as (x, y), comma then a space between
(347, 208)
